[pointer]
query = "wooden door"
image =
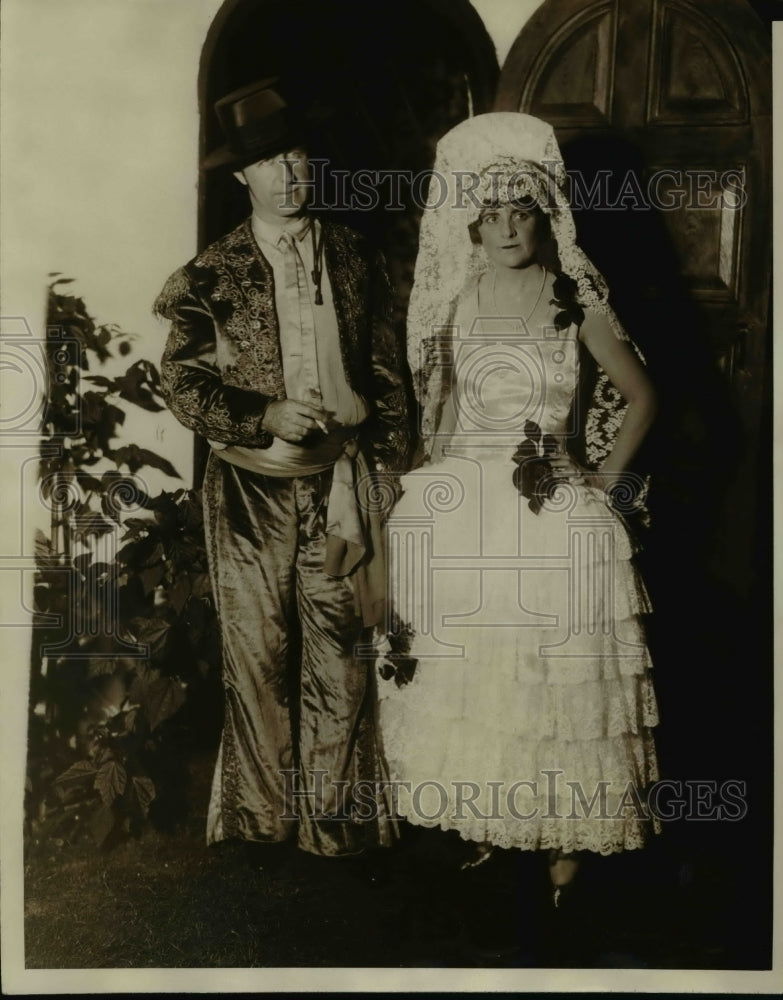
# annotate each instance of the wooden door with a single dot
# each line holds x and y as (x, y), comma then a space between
(635, 88)
(672, 99)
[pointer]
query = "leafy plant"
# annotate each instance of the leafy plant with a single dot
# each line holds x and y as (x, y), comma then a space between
(125, 649)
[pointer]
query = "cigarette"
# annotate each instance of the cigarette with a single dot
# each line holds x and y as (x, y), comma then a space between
(322, 425)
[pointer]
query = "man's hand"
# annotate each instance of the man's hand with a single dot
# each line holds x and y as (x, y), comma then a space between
(293, 420)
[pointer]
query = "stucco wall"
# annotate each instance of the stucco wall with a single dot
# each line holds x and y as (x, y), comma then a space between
(99, 134)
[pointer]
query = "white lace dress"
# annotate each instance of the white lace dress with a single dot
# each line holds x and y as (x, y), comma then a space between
(527, 721)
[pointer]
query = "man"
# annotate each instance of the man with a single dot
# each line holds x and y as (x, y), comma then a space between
(281, 355)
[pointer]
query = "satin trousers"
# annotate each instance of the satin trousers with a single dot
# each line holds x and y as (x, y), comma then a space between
(299, 725)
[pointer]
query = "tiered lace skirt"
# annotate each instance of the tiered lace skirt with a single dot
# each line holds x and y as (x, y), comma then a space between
(527, 721)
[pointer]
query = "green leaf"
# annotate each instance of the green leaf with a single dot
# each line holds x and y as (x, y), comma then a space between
(76, 774)
(152, 631)
(158, 696)
(99, 666)
(184, 553)
(165, 697)
(156, 553)
(110, 781)
(103, 755)
(141, 552)
(151, 576)
(145, 793)
(179, 592)
(130, 719)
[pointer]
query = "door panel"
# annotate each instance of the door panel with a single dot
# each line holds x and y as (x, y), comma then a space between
(676, 93)
(571, 81)
(695, 73)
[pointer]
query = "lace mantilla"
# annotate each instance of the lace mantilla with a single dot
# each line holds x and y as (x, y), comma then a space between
(486, 158)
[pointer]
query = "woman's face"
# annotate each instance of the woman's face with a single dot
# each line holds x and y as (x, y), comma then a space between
(509, 234)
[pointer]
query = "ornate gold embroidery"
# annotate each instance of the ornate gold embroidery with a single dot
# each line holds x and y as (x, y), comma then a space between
(241, 277)
(370, 352)
(175, 289)
(228, 290)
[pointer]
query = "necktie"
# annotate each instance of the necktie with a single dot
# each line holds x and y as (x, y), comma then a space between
(298, 294)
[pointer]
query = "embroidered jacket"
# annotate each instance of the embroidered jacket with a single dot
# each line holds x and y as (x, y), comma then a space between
(222, 364)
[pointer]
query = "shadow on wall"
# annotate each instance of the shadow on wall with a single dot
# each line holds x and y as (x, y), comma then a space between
(706, 627)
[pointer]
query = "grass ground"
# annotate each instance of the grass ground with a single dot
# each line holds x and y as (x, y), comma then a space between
(167, 901)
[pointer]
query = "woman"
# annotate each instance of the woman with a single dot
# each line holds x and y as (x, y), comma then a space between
(517, 703)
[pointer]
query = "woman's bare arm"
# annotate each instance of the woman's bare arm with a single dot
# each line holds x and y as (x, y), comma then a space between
(628, 376)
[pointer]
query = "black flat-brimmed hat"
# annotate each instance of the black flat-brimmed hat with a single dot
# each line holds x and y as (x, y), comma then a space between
(257, 124)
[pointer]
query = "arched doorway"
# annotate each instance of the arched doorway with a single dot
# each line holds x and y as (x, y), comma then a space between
(374, 100)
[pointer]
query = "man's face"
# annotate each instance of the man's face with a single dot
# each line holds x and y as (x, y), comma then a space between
(275, 185)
